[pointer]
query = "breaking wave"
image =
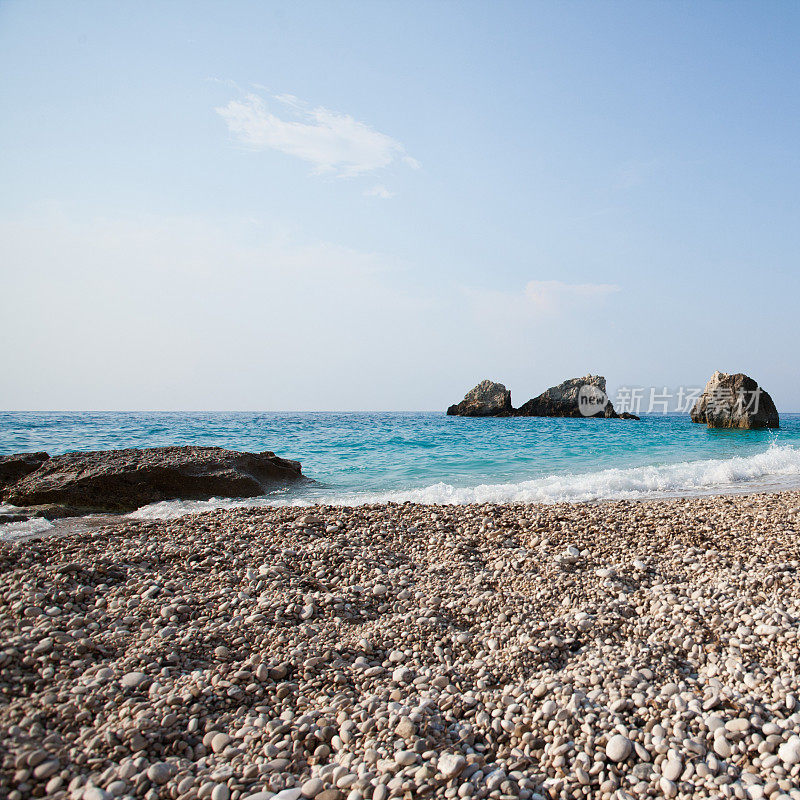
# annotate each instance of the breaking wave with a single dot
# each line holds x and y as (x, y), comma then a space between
(776, 468)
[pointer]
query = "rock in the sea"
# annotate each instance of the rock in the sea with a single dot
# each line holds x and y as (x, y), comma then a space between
(17, 466)
(487, 399)
(124, 480)
(577, 397)
(735, 401)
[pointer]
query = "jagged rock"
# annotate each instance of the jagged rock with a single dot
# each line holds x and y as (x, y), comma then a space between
(735, 401)
(487, 399)
(123, 480)
(576, 397)
(17, 466)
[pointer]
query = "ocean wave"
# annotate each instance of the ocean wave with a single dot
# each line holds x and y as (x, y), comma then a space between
(14, 531)
(776, 468)
(779, 466)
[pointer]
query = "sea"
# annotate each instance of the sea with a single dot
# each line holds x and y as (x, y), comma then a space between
(358, 458)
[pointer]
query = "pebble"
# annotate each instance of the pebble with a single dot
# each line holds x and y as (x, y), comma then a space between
(286, 794)
(132, 680)
(405, 729)
(668, 787)
(789, 751)
(618, 748)
(405, 758)
(220, 741)
(220, 792)
(451, 764)
(402, 675)
(672, 769)
(95, 793)
(485, 652)
(46, 769)
(160, 772)
(722, 747)
(312, 788)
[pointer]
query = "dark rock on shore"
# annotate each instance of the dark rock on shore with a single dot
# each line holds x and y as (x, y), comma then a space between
(124, 480)
(735, 401)
(487, 399)
(576, 397)
(17, 466)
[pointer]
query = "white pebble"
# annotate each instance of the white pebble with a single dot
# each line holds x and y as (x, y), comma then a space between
(619, 747)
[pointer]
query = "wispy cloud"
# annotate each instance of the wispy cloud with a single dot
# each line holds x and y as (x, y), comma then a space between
(635, 173)
(226, 285)
(329, 140)
(538, 301)
(379, 191)
(556, 296)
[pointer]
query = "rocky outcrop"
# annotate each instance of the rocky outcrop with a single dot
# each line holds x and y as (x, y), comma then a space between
(734, 401)
(487, 399)
(15, 467)
(576, 397)
(124, 480)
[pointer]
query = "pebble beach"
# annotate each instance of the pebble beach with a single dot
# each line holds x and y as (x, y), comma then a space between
(613, 650)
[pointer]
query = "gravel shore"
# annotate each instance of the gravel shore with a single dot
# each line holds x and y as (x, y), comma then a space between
(619, 650)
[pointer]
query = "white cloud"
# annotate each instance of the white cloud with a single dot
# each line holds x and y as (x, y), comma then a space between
(194, 312)
(538, 301)
(379, 191)
(333, 142)
(557, 296)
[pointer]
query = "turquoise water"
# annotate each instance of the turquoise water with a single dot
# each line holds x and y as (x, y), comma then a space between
(429, 457)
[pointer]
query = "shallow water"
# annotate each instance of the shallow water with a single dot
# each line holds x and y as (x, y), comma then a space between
(432, 458)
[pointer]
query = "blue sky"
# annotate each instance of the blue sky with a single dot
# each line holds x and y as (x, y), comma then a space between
(375, 205)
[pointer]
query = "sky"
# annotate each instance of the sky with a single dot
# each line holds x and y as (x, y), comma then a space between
(375, 205)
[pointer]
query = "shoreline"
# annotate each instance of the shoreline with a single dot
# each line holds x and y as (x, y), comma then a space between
(426, 458)
(604, 650)
(69, 526)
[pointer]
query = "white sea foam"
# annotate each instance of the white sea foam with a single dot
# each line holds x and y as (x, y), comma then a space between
(13, 531)
(776, 468)
(170, 509)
